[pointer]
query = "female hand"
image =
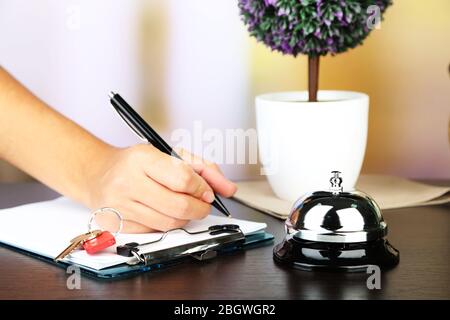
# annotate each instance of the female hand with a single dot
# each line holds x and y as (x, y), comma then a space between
(154, 191)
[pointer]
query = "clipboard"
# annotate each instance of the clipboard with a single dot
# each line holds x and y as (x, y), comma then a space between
(207, 250)
(62, 218)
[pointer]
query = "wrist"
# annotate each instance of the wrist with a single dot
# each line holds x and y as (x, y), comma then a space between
(95, 168)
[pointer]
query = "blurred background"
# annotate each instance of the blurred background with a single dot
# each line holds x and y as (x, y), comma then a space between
(185, 62)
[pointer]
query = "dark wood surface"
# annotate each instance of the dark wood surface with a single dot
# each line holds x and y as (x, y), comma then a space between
(421, 234)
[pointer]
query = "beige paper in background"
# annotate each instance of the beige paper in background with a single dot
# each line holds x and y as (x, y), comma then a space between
(388, 191)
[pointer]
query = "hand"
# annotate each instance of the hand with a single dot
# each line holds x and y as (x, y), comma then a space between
(154, 191)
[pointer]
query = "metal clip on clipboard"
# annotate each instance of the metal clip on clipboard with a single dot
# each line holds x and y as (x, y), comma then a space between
(232, 238)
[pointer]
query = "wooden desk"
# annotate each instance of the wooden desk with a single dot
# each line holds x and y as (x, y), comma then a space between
(421, 234)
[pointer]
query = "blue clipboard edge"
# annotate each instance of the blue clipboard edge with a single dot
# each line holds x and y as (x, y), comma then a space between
(123, 271)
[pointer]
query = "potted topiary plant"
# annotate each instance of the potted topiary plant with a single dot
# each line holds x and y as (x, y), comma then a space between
(304, 135)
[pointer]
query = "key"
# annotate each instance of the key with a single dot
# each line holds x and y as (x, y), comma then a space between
(76, 242)
(102, 241)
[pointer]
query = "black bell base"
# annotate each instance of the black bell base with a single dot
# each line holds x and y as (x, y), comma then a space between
(347, 257)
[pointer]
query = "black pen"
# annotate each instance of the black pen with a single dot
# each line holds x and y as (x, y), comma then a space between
(144, 131)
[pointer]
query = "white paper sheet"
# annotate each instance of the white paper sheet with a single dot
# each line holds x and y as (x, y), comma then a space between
(45, 228)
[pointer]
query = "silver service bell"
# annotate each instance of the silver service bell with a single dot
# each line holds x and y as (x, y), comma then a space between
(336, 230)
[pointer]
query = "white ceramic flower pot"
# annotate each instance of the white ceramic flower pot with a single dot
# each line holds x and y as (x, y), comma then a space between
(301, 142)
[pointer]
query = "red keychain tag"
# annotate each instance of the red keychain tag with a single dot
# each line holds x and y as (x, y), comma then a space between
(105, 239)
(102, 241)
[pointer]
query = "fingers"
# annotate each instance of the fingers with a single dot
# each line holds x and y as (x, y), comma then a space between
(108, 220)
(196, 161)
(177, 175)
(152, 190)
(218, 182)
(174, 204)
(151, 218)
(130, 226)
(210, 172)
(110, 223)
(137, 218)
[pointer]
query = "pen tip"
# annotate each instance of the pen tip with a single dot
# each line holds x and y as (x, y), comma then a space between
(225, 210)
(111, 94)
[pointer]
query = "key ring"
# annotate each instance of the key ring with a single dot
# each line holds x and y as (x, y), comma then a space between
(103, 210)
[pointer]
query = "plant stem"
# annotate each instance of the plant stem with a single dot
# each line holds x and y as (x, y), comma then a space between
(313, 77)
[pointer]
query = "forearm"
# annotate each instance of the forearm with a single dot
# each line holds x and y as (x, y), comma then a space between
(45, 144)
